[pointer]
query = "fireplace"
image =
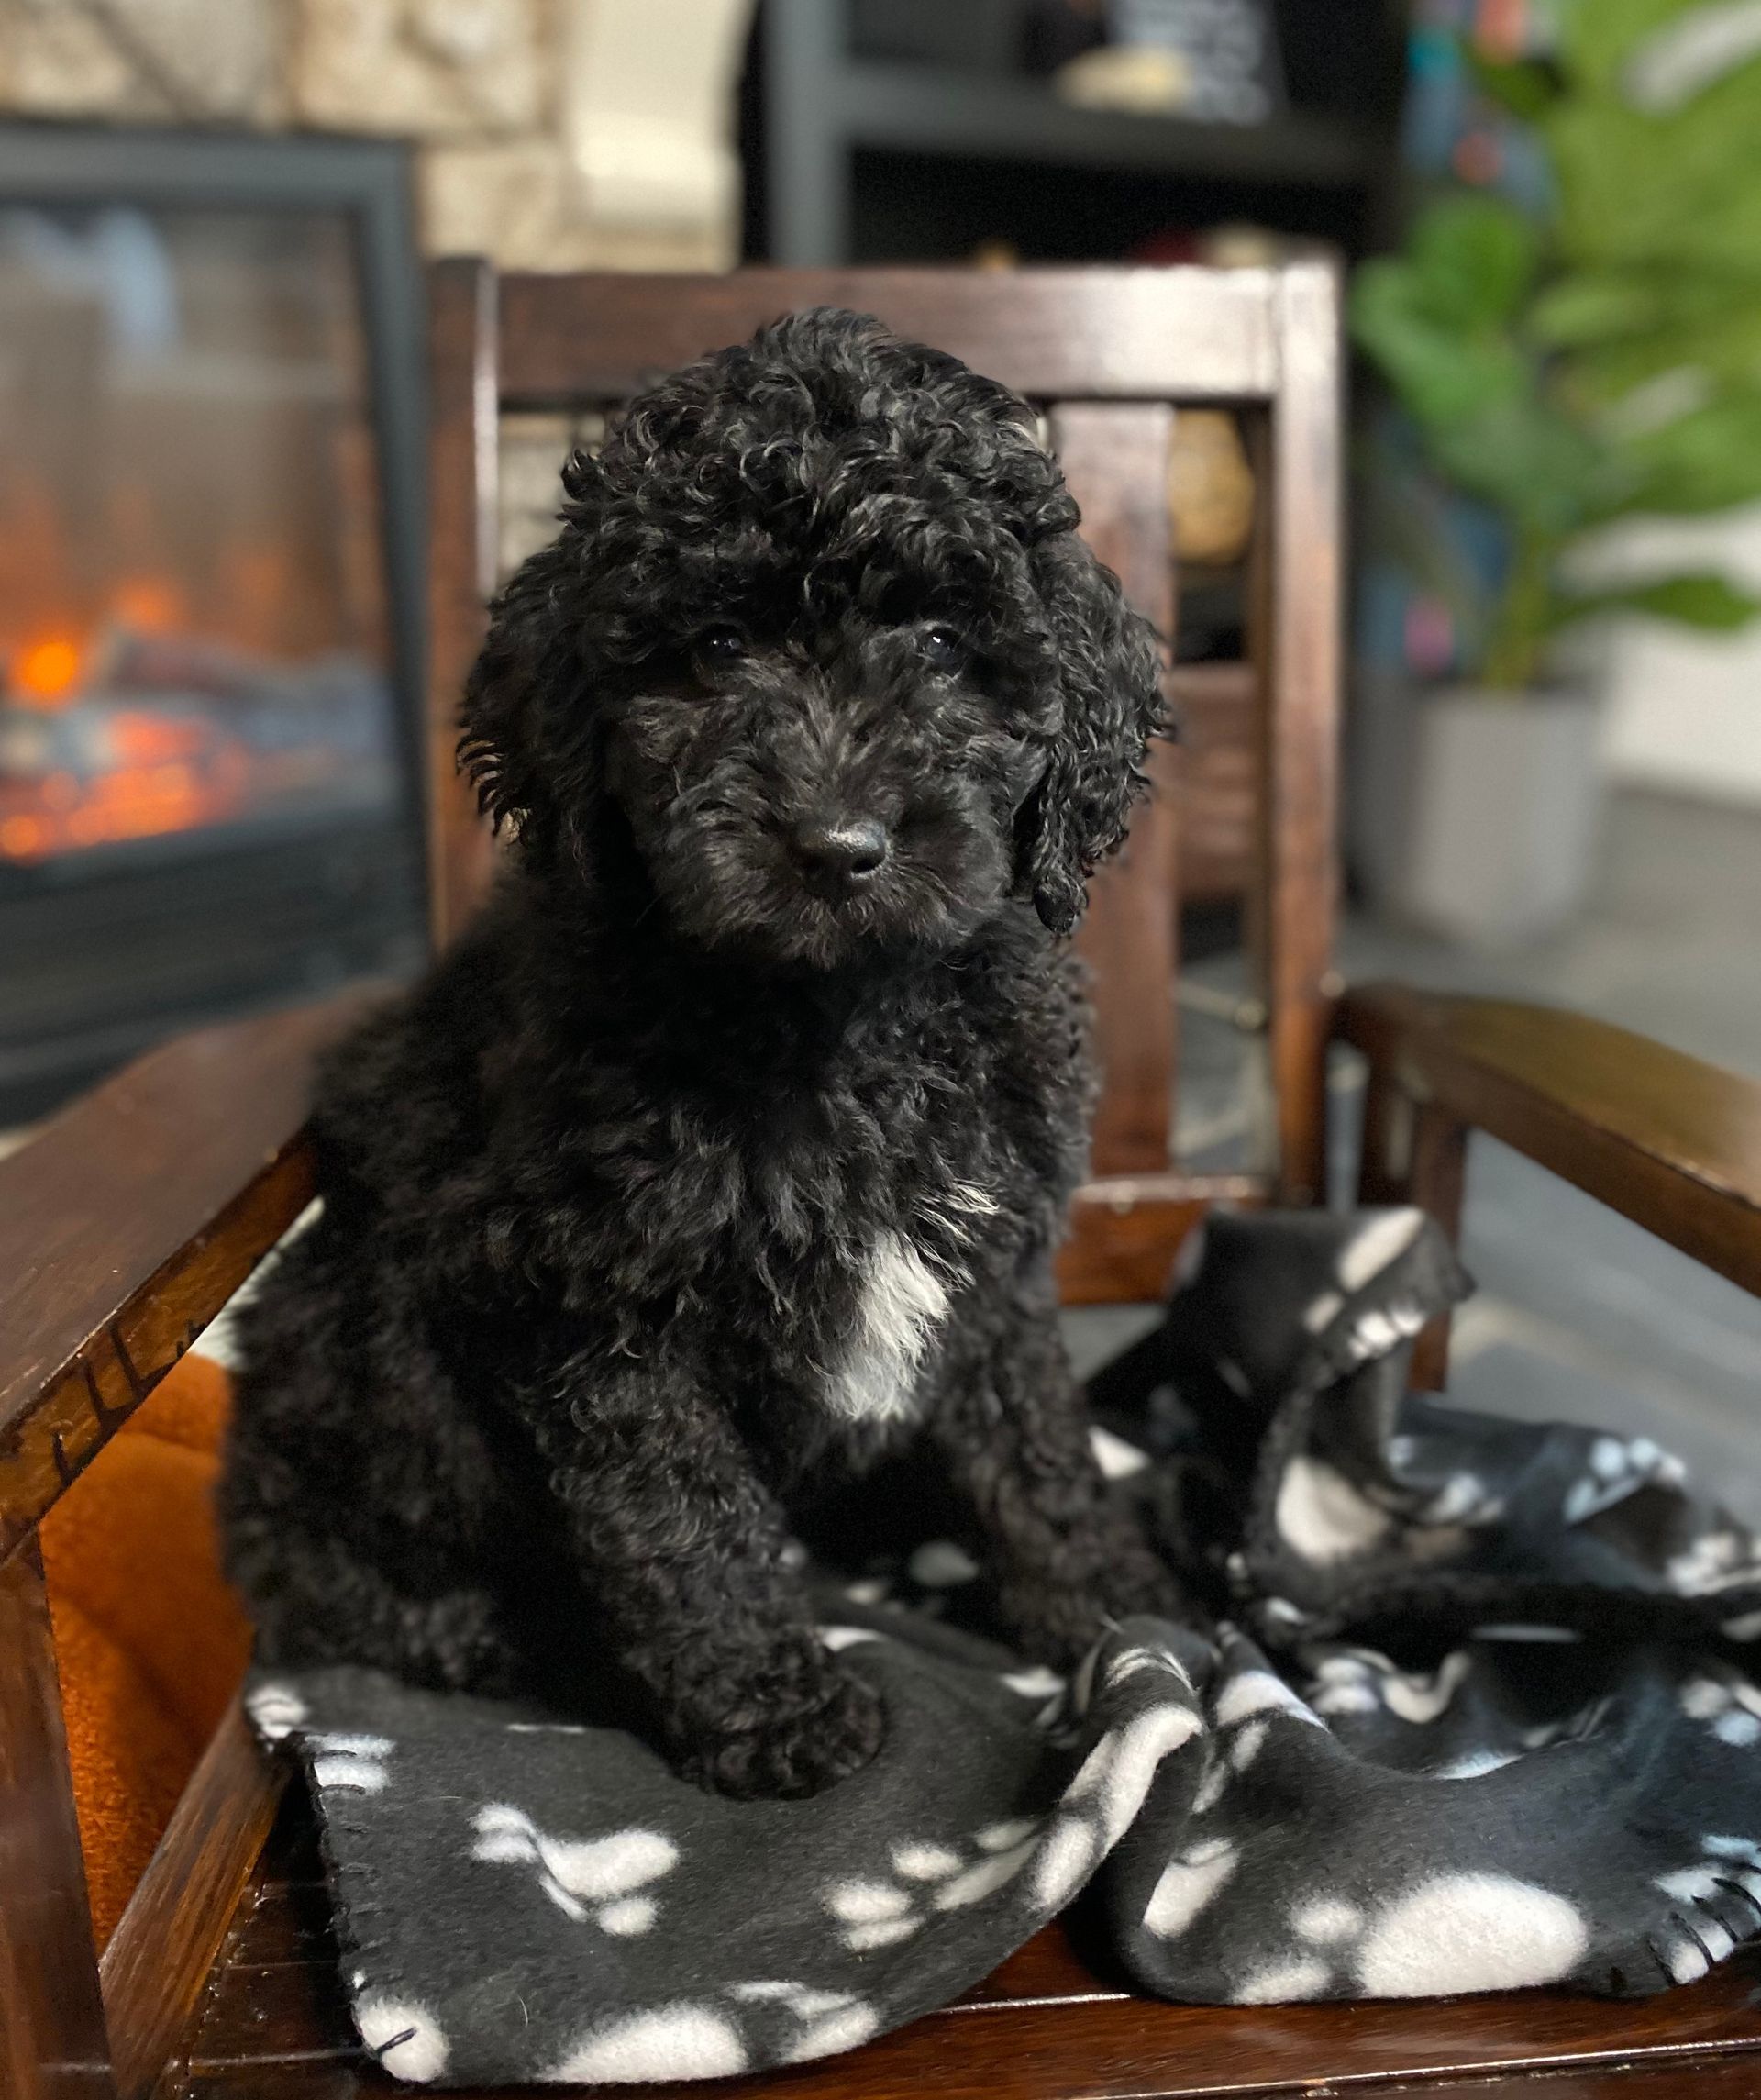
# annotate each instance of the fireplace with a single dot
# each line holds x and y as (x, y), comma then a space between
(210, 574)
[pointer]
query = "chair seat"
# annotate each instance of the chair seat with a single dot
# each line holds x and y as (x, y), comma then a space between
(273, 2025)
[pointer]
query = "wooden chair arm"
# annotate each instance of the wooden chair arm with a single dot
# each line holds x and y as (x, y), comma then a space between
(128, 1221)
(1670, 1142)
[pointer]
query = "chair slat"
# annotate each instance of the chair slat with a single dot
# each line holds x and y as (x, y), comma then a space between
(1217, 707)
(1115, 458)
(1296, 640)
(463, 475)
(53, 2042)
(1100, 333)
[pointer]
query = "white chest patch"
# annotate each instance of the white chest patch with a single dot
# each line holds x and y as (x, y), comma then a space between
(902, 1302)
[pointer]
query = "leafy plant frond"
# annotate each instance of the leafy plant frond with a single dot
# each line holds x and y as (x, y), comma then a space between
(1710, 602)
(1605, 359)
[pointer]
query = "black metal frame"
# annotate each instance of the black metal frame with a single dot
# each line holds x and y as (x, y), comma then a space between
(369, 182)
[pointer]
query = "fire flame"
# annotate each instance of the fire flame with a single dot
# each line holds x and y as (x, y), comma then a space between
(164, 774)
(150, 605)
(46, 673)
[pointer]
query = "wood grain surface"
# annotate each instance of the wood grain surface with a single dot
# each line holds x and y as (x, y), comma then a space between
(464, 475)
(1090, 332)
(51, 2022)
(1127, 1230)
(1217, 786)
(127, 1223)
(1295, 638)
(1114, 456)
(1669, 1142)
(159, 1956)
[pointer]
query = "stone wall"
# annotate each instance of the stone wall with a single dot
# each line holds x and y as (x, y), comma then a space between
(551, 134)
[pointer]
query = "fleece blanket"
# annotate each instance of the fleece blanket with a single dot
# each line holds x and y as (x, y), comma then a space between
(1483, 1710)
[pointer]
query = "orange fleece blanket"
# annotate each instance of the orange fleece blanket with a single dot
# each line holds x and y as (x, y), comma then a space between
(150, 1641)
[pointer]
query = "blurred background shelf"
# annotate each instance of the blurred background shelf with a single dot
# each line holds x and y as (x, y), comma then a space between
(853, 157)
(969, 116)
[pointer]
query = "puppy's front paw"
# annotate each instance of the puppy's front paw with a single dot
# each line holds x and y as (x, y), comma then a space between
(786, 1755)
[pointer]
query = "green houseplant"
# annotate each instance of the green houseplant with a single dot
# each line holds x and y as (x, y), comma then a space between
(1591, 363)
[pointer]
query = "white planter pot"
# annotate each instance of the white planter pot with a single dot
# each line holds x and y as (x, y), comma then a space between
(1476, 813)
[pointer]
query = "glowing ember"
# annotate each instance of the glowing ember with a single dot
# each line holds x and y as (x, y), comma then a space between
(143, 726)
(150, 605)
(47, 671)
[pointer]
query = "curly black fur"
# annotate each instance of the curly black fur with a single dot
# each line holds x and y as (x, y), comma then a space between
(725, 1155)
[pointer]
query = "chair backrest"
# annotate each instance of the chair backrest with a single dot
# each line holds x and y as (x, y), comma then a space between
(1110, 356)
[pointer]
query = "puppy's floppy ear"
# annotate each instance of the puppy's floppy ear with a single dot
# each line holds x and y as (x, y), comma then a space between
(520, 720)
(497, 720)
(1108, 675)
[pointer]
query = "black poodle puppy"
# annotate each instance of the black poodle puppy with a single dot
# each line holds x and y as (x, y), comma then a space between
(724, 1157)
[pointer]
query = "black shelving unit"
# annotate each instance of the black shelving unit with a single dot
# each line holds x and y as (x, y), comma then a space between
(865, 159)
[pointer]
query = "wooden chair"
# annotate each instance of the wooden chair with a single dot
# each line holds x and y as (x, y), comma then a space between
(128, 1222)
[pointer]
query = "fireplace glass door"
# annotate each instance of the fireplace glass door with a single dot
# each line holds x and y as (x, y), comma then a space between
(192, 601)
(206, 785)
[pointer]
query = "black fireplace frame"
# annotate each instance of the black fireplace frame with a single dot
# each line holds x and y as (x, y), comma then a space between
(369, 183)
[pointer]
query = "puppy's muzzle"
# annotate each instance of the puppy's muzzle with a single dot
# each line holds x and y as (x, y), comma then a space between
(839, 859)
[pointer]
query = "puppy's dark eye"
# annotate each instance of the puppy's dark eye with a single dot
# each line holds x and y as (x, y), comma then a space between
(944, 646)
(720, 648)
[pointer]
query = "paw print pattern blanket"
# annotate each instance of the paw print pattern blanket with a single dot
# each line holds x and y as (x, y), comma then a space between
(1483, 1710)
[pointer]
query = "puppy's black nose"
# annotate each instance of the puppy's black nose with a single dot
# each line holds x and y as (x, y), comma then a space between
(841, 855)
